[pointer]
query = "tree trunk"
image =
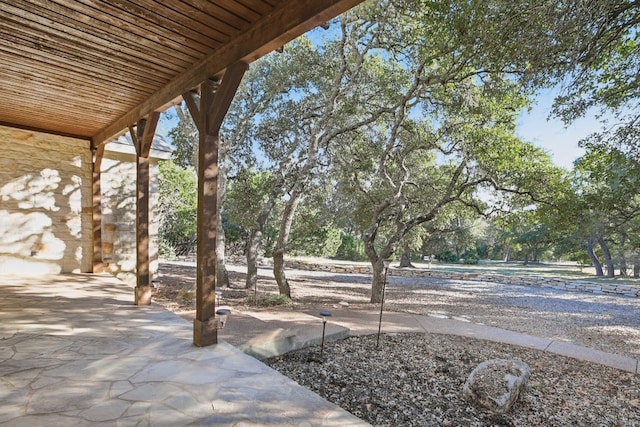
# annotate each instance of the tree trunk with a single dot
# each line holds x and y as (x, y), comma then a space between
(636, 266)
(281, 244)
(507, 254)
(222, 275)
(377, 264)
(526, 258)
(594, 259)
(607, 257)
(377, 281)
(621, 255)
(279, 274)
(255, 238)
(405, 259)
(252, 258)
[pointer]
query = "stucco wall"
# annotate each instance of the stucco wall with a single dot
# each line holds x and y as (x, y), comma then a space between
(45, 203)
(118, 182)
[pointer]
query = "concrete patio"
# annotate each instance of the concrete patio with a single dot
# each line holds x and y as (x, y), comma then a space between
(74, 350)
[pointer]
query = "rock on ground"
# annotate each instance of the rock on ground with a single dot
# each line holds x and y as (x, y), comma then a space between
(496, 384)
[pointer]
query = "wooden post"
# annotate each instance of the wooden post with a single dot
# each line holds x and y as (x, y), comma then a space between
(213, 108)
(142, 138)
(97, 265)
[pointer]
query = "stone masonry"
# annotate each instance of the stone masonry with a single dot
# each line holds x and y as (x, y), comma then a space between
(119, 214)
(45, 203)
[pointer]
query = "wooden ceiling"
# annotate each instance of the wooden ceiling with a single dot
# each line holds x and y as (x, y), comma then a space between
(90, 68)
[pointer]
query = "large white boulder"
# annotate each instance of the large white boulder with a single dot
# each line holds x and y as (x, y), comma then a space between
(496, 384)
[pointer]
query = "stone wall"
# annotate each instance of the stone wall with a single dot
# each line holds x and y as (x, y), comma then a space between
(45, 203)
(571, 285)
(46, 206)
(118, 182)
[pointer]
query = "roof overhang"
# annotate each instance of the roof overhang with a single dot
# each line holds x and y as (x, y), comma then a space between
(91, 68)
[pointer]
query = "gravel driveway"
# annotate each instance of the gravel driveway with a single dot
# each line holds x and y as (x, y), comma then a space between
(604, 322)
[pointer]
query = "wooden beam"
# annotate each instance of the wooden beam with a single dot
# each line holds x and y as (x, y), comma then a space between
(133, 133)
(204, 325)
(43, 130)
(150, 127)
(224, 95)
(288, 21)
(192, 100)
(212, 108)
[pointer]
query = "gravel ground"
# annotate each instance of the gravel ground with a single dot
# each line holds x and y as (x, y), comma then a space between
(603, 322)
(416, 379)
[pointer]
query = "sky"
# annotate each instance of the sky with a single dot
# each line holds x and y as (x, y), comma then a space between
(551, 134)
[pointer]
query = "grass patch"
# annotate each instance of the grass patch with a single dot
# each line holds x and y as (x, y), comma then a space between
(268, 300)
(559, 271)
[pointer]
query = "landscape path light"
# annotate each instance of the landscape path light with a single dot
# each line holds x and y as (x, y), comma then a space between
(387, 263)
(324, 315)
(222, 314)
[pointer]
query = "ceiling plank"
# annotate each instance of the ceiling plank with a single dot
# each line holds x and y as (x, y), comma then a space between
(168, 18)
(286, 22)
(17, 37)
(74, 21)
(62, 34)
(121, 24)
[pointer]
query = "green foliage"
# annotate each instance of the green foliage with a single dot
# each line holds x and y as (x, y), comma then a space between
(471, 258)
(177, 208)
(321, 241)
(314, 232)
(399, 127)
(184, 137)
(351, 248)
(245, 194)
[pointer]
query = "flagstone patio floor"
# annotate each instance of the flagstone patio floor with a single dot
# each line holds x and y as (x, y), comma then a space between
(75, 351)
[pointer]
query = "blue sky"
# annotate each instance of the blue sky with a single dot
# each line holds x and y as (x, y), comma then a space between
(551, 134)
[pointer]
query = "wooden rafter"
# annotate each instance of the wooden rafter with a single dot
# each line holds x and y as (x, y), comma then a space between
(192, 100)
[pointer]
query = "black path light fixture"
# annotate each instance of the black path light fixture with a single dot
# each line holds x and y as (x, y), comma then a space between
(222, 314)
(387, 263)
(324, 315)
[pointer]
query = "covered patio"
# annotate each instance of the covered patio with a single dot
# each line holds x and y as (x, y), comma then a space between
(76, 74)
(84, 348)
(75, 351)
